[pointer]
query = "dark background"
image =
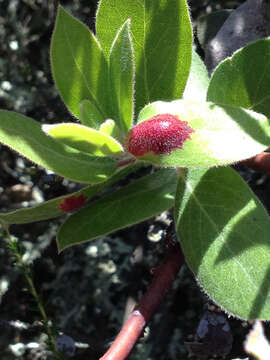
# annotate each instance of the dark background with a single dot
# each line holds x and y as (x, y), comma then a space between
(86, 288)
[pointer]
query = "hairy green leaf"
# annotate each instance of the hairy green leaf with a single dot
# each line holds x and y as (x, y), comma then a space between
(198, 80)
(84, 139)
(25, 135)
(50, 209)
(89, 115)
(121, 63)
(243, 80)
(130, 205)
(162, 38)
(44, 211)
(109, 127)
(224, 231)
(79, 67)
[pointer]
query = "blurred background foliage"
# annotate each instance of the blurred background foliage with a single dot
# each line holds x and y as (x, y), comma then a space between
(87, 289)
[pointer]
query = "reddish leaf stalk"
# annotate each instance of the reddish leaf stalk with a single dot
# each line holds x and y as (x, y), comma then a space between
(163, 278)
(260, 162)
(125, 162)
(141, 315)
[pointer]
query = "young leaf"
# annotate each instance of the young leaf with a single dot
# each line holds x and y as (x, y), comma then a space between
(79, 68)
(84, 139)
(121, 64)
(224, 231)
(198, 80)
(243, 80)
(130, 205)
(50, 209)
(25, 135)
(89, 115)
(220, 134)
(109, 127)
(162, 36)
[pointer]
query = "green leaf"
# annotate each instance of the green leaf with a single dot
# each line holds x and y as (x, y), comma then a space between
(25, 135)
(130, 205)
(50, 209)
(44, 211)
(84, 139)
(79, 67)
(121, 63)
(162, 36)
(198, 80)
(89, 115)
(110, 128)
(224, 231)
(243, 80)
(222, 134)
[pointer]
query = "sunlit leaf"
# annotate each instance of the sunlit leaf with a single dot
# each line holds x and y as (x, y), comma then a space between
(25, 135)
(89, 114)
(162, 38)
(121, 62)
(224, 231)
(79, 67)
(198, 80)
(243, 80)
(84, 139)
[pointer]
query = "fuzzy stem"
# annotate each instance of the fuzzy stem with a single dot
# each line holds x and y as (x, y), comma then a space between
(141, 315)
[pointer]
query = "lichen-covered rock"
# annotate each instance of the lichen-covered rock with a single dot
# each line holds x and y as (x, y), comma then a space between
(248, 23)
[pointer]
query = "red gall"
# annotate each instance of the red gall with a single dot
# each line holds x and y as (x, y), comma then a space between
(72, 203)
(160, 134)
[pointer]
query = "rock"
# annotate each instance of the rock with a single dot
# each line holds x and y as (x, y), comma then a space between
(249, 22)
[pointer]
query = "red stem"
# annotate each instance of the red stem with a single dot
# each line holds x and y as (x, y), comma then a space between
(135, 324)
(260, 162)
(125, 162)
(164, 276)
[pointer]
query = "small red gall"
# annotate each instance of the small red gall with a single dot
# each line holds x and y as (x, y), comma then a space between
(72, 203)
(160, 134)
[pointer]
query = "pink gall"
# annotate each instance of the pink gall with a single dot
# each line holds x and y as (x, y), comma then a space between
(72, 203)
(160, 134)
